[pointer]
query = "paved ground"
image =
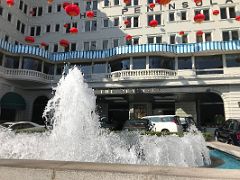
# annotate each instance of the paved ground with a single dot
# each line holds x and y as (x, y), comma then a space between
(228, 148)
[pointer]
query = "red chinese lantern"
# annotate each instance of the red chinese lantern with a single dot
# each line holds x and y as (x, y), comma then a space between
(163, 2)
(199, 33)
(29, 39)
(215, 12)
(90, 14)
(128, 37)
(197, 1)
(151, 5)
(50, 1)
(10, 3)
(199, 18)
(44, 44)
(237, 18)
(72, 10)
(126, 22)
(153, 23)
(127, 1)
(73, 30)
(65, 4)
(66, 25)
(181, 33)
(64, 42)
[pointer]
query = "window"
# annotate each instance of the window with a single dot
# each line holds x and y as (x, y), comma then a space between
(105, 23)
(86, 46)
(55, 48)
(9, 17)
(157, 39)
(172, 39)
(206, 13)
(208, 36)
(116, 2)
(1, 11)
(115, 43)
(18, 25)
(105, 44)
(57, 27)
(139, 63)
(116, 21)
(171, 16)
(48, 28)
(183, 15)
(87, 26)
(6, 38)
(135, 41)
(59, 7)
(230, 35)
(21, 5)
(49, 9)
(32, 31)
(184, 62)
(94, 26)
(227, 12)
(38, 31)
(123, 64)
(185, 38)
(23, 28)
(40, 10)
(156, 62)
(93, 45)
(135, 2)
(150, 40)
(233, 60)
(25, 9)
(106, 3)
(134, 22)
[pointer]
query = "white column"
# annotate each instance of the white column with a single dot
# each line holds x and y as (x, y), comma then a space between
(193, 65)
(20, 62)
(147, 62)
(3, 60)
(176, 63)
(55, 69)
(131, 63)
(224, 63)
(42, 68)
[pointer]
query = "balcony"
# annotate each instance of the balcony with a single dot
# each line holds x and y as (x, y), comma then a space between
(24, 74)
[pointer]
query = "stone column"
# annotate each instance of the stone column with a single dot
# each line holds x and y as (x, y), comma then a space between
(147, 62)
(20, 62)
(3, 60)
(42, 68)
(55, 70)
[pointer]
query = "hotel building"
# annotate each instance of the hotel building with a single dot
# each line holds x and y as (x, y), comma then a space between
(178, 67)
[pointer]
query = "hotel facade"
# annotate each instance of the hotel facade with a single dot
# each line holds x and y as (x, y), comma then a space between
(178, 67)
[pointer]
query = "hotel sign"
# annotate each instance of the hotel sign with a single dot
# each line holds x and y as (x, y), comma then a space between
(127, 91)
(173, 6)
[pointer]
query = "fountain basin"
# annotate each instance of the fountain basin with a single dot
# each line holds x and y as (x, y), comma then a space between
(11, 169)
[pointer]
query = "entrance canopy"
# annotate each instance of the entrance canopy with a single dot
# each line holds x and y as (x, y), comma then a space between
(13, 101)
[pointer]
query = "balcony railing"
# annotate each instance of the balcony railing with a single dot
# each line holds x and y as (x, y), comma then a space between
(121, 50)
(25, 74)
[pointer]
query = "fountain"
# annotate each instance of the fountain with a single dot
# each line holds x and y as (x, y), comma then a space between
(76, 135)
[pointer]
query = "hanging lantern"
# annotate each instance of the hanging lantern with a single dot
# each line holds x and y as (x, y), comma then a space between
(153, 23)
(215, 12)
(64, 42)
(72, 10)
(127, 1)
(198, 2)
(65, 4)
(237, 18)
(29, 39)
(199, 18)
(66, 25)
(73, 30)
(181, 33)
(44, 44)
(126, 22)
(90, 14)
(199, 33)
(163, 2)
(10, 3)
(50, 1)
(151, 5)
(128, 37)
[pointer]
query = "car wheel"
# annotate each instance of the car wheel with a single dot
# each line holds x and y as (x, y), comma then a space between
(165, 132)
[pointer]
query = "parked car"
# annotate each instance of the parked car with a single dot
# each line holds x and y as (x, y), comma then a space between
(21, 126)
(165, 123)
(137, 125)
(186, 122)
(108, 124)
(229, 132)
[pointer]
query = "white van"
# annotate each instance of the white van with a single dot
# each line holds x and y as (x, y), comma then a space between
(165, 123)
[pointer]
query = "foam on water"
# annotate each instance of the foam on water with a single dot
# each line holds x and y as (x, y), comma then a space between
(76, 135)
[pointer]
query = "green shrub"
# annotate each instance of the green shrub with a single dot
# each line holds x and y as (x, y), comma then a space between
(207, 136)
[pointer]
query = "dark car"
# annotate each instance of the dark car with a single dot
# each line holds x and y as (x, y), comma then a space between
(137, 125)
(186, 122)
(229, 132)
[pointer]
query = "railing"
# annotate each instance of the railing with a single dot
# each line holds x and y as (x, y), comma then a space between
(121, 50)
(25, 74)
